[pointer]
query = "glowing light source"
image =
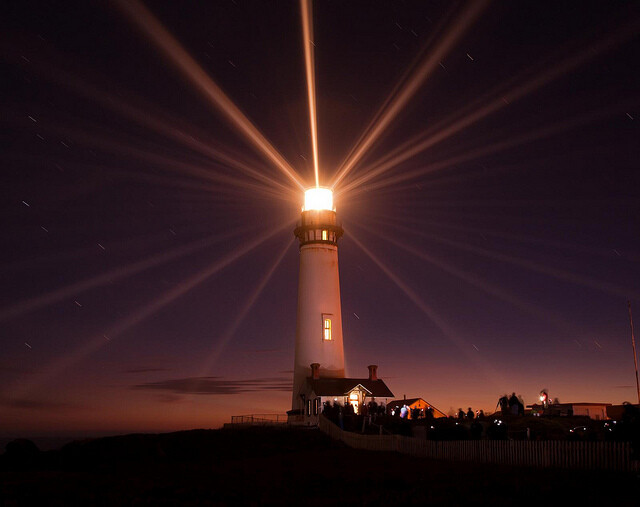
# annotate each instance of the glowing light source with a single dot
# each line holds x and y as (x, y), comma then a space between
(318, 199)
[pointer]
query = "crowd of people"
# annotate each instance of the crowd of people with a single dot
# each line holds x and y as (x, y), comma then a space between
(470, 414)
(512, 405)
(337, 412)
(406, 412)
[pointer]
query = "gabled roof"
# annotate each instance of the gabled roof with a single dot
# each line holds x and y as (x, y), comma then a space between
(408, 401)
(341, 386)
(411, 401)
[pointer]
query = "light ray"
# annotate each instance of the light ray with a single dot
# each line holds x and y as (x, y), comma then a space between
(231, 329)
(601, 252)
(240, 191)
(412, 85)
(491, 374)
(182, 60)
(574, 278)
(113, 275)
(524, 138)
(442, 131)
(484, 285)
(72, 254)
(306, 12)
(144, 117)
(169, 164)
(122, 325)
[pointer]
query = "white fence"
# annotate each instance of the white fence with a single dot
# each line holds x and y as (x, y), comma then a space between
(541, 454)
(259, 419)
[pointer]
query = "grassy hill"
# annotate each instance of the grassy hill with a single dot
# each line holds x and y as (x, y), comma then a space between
(277, 466)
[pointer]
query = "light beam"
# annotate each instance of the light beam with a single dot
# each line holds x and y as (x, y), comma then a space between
(527, 137)
(483, 285)
(444, 327)
(110, 276)
(394, 105)
(134, 318)
(306, 12)
(183, 61)
(530, 84)
(567, 276)
(244, 310)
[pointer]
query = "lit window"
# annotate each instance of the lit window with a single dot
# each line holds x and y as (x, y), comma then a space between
(327, 329)
(308, 408)
(325, 235)
(316, 406)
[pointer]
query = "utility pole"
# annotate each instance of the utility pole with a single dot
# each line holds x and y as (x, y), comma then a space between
(635, 357)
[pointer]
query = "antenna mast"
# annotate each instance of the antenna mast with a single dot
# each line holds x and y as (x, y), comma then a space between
(633, 343)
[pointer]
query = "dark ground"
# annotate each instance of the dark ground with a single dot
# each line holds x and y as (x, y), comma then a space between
(269, 466)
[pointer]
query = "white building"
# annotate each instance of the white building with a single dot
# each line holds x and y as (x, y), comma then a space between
(597, 411)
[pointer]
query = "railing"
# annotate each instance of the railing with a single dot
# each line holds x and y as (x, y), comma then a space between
(259, 419)
(542, 454)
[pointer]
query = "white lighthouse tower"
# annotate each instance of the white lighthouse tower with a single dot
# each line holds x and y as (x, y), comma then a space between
(319, 323)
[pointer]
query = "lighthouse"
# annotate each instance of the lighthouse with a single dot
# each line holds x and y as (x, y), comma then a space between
(318, 371)
(319, 320)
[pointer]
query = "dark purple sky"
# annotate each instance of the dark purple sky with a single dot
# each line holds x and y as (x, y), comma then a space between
(504, 254)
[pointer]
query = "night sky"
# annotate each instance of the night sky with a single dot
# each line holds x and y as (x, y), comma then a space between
(149, 269)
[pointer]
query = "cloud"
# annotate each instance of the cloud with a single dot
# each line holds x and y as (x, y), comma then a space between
(35, 404)
(217, 385)
(146, 370)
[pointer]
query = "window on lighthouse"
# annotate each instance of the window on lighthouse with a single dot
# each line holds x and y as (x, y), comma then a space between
(326, 328)
(325, 235)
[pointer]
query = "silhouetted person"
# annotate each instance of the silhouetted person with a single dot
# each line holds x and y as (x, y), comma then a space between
(336, 411)
(481, 415)
(513, 404)
(470, 413)
(460, 414)
(429, 413)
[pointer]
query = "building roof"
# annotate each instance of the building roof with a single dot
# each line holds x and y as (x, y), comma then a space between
(341, 386)
(408, 401)
(411, 401)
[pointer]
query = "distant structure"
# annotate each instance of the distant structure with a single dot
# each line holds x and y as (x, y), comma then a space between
(318, 370)
(597, 411)
(413, 403)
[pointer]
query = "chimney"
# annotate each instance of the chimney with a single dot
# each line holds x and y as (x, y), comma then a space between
(373, 371)
(315, 371)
